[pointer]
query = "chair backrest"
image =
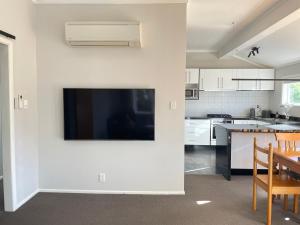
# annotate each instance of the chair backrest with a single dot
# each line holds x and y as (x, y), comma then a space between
(288, 140)
(257, 161)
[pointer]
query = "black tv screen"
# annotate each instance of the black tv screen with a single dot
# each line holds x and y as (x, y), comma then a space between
(109, 114)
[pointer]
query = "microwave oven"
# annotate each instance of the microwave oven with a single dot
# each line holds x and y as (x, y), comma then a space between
(191, 94)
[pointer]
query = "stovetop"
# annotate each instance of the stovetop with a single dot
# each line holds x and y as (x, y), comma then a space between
(226, 116)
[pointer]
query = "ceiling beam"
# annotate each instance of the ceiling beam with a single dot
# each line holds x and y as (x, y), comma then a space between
(280, 15)
(251, 62)
(200, 51)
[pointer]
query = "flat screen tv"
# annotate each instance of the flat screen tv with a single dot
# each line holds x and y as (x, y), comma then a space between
(109, 114)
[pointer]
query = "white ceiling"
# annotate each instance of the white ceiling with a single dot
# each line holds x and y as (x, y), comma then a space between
(278, 49)
(106, 1)
(210, 23)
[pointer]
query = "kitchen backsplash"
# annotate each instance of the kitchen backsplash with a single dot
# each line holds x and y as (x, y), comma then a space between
(236, 103)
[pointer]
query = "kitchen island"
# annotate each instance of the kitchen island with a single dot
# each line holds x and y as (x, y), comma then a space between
(234, 145)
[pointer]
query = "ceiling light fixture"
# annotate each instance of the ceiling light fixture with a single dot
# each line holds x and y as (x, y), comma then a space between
(253, 51)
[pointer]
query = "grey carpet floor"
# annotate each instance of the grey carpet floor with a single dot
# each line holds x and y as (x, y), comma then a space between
(230, 205)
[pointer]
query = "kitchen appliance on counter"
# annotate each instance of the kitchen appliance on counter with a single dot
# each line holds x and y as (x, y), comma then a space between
(191, 94)
(266, 113)
(215, 120)
(252, 113)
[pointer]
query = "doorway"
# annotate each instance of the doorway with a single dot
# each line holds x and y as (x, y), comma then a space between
(200, 160)
(7, 139)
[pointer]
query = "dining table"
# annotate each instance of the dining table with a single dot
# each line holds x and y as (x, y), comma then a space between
(288, 160)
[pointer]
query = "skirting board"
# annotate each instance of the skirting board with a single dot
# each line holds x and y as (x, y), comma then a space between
(113, 192)
(1, 177)
(19, 204)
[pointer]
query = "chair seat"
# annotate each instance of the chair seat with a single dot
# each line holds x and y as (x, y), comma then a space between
(282, 184)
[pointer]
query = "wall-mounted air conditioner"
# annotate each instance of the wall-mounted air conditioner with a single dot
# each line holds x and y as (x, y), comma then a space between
(103, 34)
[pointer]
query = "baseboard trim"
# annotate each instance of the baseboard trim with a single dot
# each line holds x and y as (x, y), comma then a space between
(26, 199)
(71, 191)
(1, 177)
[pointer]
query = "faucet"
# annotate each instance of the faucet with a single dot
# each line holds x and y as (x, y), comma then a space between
(286, 109)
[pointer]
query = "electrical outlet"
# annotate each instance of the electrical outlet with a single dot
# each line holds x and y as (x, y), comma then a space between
(101, 177)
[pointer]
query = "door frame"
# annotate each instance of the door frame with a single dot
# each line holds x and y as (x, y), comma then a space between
(8, 131)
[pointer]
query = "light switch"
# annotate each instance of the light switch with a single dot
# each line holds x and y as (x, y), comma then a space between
(173, 105)
(25, 104)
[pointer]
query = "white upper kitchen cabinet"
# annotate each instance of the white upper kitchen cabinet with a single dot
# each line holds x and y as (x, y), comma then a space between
(210, 80)
(192, 76)
(266, 85)
(247, 74)
(227, 84)
(217, 79)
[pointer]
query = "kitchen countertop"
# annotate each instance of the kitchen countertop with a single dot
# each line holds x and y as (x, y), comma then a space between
(269, 120)
(197, 118)
(248, 128)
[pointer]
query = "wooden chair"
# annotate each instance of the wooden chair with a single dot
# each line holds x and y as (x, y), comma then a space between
(287, 145)
(273, 184)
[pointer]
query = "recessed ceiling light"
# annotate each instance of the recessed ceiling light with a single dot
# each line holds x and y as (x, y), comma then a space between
(287, 219)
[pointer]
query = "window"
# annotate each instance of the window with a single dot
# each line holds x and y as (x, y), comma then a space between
(291, 94)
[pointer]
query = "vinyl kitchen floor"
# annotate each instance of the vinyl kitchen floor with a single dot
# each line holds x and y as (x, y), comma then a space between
(200, 160)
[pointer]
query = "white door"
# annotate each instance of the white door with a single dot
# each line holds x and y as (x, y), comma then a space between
(210, 79)
(266, 74)
(247, 74)
(7, 123)
(226, 81)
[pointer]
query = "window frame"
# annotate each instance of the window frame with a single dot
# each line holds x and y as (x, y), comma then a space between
(286, 94)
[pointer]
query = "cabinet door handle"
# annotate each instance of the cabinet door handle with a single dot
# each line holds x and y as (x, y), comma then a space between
(218, 82)
(222, 82)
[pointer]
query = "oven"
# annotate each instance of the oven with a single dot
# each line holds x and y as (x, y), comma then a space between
(217, 119)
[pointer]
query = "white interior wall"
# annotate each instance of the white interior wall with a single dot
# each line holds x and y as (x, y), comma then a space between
(291, 71)
(17, 18)
(130, 166)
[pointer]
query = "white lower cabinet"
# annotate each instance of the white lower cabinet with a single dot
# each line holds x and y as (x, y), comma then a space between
(197, 132)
